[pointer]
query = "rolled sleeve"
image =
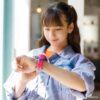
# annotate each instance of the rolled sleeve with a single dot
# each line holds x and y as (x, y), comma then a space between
(85, 70)
(9, 88)
(10, 95)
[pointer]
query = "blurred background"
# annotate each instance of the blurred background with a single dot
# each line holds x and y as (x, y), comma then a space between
(20, 30)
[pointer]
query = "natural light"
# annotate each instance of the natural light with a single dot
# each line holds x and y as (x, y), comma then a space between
(21, 26)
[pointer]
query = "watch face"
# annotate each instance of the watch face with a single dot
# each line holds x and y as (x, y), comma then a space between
(40, 61)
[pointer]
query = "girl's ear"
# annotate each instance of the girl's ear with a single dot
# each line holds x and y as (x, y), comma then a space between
(70, 28)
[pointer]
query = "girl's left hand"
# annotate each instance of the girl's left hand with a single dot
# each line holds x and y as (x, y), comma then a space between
(25, 64)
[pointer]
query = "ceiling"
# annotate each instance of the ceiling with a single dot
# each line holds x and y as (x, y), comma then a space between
(42, 3)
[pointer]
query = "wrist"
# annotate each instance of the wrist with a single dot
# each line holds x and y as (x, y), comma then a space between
(23, 78)
(23, 81)
(19, 88)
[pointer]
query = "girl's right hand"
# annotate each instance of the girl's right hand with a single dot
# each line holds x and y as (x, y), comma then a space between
(25, 66)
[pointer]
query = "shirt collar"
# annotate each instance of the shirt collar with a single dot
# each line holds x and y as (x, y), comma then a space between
(67, 52)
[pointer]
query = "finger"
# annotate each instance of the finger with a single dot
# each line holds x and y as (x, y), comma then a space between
(18, 68)
(21, 60)
(14, 64)
(18, 60)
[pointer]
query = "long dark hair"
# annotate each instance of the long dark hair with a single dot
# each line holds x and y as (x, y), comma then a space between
(52, 16)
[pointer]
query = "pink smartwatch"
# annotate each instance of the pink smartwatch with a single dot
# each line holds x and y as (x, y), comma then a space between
(40, 61)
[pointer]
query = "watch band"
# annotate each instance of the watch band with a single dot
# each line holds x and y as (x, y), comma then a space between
(40, 61)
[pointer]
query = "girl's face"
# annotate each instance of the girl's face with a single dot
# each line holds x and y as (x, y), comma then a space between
(57, 35)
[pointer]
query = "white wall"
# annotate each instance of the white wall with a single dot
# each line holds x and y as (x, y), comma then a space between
(91, 28)
(21, 27)
(79, 7)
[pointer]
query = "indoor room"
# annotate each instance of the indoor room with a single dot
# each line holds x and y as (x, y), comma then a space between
(21, 29)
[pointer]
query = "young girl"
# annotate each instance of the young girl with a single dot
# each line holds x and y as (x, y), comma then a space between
(61, 72)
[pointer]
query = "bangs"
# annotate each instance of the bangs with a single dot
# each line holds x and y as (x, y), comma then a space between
(52, 18)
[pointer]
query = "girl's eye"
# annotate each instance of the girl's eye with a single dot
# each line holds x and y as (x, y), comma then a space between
(58, 29)
(47, 29)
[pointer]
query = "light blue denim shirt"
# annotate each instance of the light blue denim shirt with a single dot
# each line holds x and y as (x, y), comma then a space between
(44, 87)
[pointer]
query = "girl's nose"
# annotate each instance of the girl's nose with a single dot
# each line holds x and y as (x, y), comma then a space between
(52, 34)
